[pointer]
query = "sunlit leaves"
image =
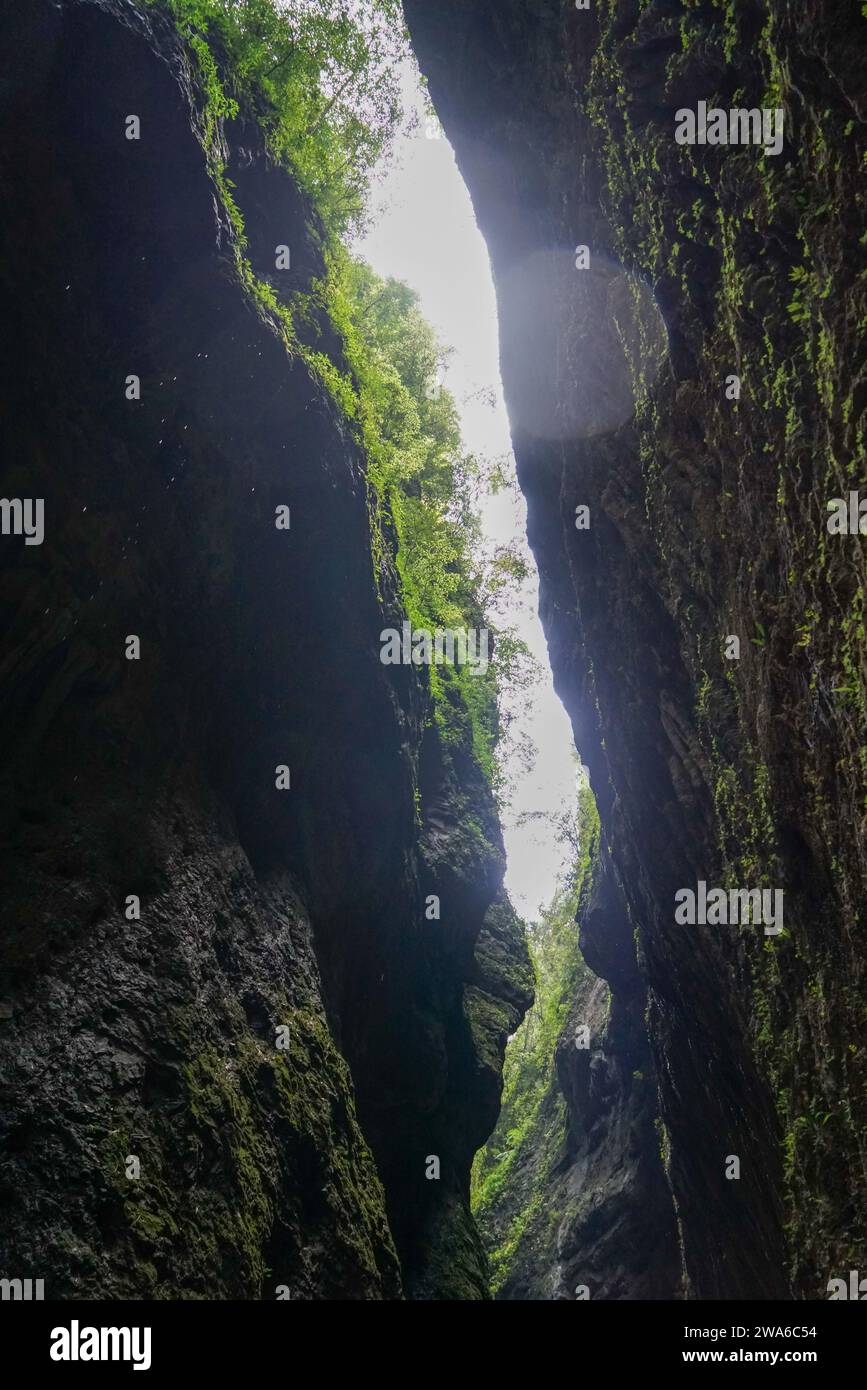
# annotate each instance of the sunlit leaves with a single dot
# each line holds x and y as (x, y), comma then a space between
(322, 78)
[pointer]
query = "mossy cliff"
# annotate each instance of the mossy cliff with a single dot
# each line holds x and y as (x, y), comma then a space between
(569, 1192)
(708, 514)
(231, 1038)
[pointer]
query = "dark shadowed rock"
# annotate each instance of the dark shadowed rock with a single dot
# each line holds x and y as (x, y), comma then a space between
(708, 519)
(280, 1038)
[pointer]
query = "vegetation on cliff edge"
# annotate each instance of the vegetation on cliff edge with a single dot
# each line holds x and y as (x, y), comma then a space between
(320, 80)
(511, 1174)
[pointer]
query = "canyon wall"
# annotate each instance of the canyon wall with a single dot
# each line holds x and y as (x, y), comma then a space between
(569, 1192)
(228, 981)
(740, 765)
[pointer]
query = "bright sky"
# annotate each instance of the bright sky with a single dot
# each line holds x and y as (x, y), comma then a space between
(423, 232)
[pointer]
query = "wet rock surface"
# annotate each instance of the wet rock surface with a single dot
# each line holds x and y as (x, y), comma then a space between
(707, 519)
(279, 1037)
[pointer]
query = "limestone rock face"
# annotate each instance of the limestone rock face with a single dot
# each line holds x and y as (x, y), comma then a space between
(618, 1238)
(585, 1210)
(229, 983)
(699, 388)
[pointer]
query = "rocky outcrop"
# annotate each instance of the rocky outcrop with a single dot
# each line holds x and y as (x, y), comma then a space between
(570, 1191)
(230, 1040)
(617, 1238)
(737, 765)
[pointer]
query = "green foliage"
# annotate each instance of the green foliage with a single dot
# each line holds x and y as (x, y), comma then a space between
(532, 1117)
(321, 79)
(321, 76)
(411, 431)
(424, 481)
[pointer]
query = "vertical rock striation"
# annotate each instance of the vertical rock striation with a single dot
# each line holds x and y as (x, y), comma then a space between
(268, 1158)
(569, 1192)
(708, 514)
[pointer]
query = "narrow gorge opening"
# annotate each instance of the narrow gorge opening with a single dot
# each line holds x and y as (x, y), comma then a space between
(373, 368)
(422, 232)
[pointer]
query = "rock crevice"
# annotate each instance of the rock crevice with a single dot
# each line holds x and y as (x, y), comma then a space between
(278, 1037)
